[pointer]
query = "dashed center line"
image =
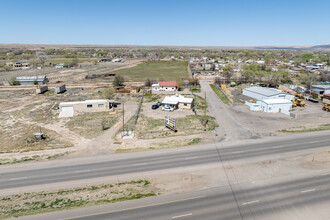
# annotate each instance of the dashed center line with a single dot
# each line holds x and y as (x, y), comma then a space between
(190, 158)
(251, 202)
(308, 190)
(140, 164)
(82, 171)
(18, 178)
(238, 152)
(180, 216)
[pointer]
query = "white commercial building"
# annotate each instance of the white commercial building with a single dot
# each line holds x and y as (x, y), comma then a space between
(271, 105)
(261, 93)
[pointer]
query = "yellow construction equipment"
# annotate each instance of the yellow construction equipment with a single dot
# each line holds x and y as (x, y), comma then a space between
(326, 107)
(298, 102)
(299, 96)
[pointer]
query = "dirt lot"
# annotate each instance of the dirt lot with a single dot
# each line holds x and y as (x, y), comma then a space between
(25, 113)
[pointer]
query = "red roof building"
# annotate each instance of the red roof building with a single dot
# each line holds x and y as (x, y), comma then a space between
(168, 84)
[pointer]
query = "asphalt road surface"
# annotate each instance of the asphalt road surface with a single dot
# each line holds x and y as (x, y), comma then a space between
(137, 163)
(291, 197)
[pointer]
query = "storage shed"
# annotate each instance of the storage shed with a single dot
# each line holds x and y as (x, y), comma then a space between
(261, 93)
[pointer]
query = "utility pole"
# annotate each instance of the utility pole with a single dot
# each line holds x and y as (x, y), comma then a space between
(205, 109)
(123, 119)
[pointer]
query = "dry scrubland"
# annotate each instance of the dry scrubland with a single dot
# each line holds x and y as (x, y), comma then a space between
(25, 113)
(158, 70)
(150, 128)
(39, 202)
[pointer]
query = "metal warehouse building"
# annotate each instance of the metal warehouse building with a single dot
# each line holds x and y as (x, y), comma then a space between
(275, 105)
(30, 80)
(320, 89)
(259, 93)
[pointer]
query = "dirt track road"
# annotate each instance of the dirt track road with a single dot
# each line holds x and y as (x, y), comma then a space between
(230, 128)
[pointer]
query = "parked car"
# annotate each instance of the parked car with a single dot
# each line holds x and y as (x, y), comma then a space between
(159, 103)
(167, 109)
(154, 107)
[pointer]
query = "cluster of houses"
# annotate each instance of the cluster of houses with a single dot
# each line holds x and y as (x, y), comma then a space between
(69, 109)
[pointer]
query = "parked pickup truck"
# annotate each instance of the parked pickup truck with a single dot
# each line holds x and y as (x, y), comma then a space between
(311, 99)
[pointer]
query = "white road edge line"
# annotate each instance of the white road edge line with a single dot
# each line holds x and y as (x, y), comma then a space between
(251, 202)
(309, 190)
(19, 178)
(180, 216)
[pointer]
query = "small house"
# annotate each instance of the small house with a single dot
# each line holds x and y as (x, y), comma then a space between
(178, 101)
(21, 65)
(165, 86)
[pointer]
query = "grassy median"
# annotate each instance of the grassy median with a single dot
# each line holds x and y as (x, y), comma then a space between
(324, 127)
(220, 94)
(35, 203)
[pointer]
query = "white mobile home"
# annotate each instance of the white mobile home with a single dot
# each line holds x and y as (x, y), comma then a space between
(69, 109)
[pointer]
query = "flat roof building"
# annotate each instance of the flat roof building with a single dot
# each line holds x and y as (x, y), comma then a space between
(178, 101)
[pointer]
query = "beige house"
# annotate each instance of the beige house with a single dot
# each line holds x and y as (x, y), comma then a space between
(69, 109)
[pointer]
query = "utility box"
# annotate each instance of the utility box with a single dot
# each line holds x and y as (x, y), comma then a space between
(42, 89)
(39, 136)
(60, 89)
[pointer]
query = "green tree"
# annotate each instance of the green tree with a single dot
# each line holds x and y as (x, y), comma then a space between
(307, 57)
(228, 72)
(14, 82)
(118, 81)
(180, 84)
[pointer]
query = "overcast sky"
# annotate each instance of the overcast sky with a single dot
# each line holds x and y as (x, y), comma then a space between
(166, 22)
